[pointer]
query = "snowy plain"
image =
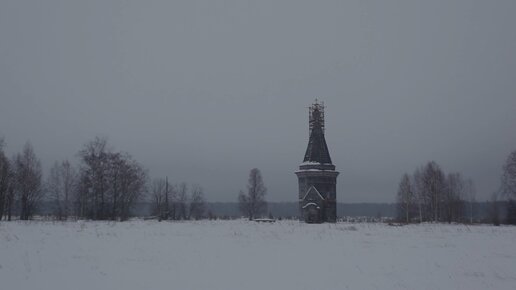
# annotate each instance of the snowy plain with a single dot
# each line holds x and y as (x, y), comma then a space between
(248, 255)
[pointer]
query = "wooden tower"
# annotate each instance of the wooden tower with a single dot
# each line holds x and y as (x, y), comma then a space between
(316, 175)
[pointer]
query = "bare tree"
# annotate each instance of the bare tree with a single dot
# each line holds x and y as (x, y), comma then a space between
(159, 197)
(418, 188)
(434, 186)
(197, 204)
(130, 183)
(132, 180)
(61, 186)
(494, 210)
(110, 182)
(253, 203)
(27, 170)
(508, 186)
(94, 173)
(510, 217)
(171, 200)
(69, 179)
(470, 194)
(4, 178)
(405, 198)
(181, 201)
(509, 176)
(11, 190)
(166, 206)
(453, 201)
(54, 190)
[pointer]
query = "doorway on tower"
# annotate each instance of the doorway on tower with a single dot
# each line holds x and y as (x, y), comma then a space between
(312, 213)
(312, 206)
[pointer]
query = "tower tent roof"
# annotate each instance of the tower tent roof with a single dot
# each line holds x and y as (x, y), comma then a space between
(317, 150)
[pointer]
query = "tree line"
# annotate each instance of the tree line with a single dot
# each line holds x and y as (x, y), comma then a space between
(105, 185)
(177, 202)
(431, 195)
(180, 201)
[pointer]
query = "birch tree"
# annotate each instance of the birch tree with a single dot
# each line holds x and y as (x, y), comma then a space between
(27, 172)
(61, 187)
(508, 187)
(434, 185)
(417, 187)
(5, 168)
(434, 195)
(197, 203)
(454, 194)
(159, 196)
(405, 198)
(253, 203)
(181, 201)
(470, 194)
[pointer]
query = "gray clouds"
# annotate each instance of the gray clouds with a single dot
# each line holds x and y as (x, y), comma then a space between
(203, 91)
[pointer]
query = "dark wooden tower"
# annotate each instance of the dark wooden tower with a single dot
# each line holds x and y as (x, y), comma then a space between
(316, 175)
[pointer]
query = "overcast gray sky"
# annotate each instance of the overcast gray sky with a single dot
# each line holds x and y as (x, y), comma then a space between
(203, 91)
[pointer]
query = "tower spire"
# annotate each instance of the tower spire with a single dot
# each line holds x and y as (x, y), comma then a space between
(317, 150)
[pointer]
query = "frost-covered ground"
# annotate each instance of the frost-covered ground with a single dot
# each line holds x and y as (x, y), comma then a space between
(247, 255)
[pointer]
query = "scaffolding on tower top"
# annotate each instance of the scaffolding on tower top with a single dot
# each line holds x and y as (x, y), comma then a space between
(316, 116)
(317, 150)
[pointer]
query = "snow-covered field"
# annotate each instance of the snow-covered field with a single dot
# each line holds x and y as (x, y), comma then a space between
(248, 255)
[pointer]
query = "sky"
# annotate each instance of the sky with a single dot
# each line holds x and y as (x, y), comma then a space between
(204, 91)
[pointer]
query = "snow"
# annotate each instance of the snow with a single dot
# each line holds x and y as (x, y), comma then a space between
(314, 163)
(248, 255)
(311, 170)
(308, 192)
(310, 204)
(264, 220)
(311, 163)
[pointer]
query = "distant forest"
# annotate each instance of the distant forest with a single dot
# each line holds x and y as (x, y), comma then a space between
(287, 210)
